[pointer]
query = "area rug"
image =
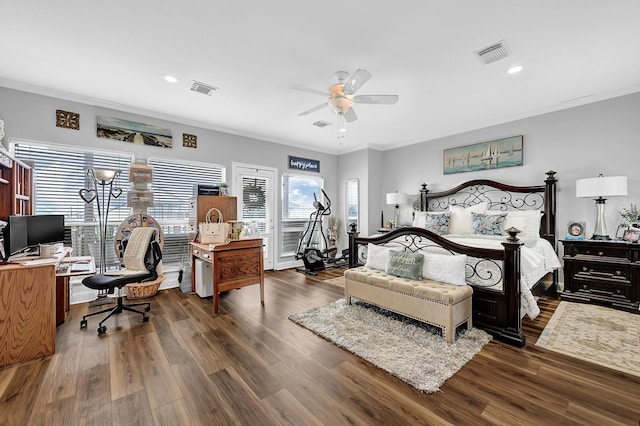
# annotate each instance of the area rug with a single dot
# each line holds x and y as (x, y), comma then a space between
(596, 334)
(339, 281)
(401, 346)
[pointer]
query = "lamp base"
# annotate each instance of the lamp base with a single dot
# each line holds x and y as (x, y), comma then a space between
(600, 237)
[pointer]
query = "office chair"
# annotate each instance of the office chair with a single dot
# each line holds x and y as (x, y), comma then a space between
(141, 259)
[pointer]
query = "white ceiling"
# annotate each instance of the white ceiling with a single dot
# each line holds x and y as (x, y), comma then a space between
(114, 54)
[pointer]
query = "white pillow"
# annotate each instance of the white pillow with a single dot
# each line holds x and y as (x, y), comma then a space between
(528, 221)
(420, 218)
(460, 221)
(377, 257)
(445, 268)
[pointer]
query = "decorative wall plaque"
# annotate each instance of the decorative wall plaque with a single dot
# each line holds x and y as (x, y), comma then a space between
(189, 141)
(67, 120)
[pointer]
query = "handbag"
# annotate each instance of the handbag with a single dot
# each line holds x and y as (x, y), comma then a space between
(213, 232)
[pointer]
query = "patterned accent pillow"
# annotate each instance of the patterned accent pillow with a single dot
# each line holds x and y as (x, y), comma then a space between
(405, 265)
(437, 223)
(488, 224)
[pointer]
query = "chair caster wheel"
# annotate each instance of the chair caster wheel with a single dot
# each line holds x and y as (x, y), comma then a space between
(83, 323)
(145, 319)
(147, 309)
(102, 330)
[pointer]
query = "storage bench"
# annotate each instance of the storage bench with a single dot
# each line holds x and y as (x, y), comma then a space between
(446, 306)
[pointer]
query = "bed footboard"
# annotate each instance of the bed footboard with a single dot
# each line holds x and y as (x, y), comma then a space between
(495, 311)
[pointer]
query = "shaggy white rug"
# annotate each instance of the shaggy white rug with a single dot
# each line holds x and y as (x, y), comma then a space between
(401, 346)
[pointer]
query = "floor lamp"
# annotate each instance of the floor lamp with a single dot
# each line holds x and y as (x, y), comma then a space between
(102, 191)
(397, 198)
(598, 188)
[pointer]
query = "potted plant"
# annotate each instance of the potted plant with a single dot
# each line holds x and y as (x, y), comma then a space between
(631, 216)
(224, 188)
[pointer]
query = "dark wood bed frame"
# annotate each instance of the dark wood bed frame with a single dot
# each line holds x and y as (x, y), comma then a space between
(496, 311)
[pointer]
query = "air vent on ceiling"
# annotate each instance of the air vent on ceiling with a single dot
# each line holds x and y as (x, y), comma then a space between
(493, 53)
(205, 89)
(321, 123)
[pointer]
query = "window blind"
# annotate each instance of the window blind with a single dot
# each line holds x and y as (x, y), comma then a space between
(298, 195)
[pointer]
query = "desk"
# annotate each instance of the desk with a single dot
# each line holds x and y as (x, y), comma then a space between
(27, 312)
(64, 273)
(237, 264)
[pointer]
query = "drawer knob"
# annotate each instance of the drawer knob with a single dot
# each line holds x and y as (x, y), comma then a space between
(618, 272)
(618, 291)
(584, 286)
(584, 269)
(600, 253)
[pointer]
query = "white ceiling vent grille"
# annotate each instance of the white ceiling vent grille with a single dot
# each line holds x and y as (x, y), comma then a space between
(321, 123)
(493, 53)
(205, 89)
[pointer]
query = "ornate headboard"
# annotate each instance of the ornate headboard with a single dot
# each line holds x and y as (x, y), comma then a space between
(500, 197)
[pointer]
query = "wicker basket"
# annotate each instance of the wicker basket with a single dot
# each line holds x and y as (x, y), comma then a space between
(142, 290)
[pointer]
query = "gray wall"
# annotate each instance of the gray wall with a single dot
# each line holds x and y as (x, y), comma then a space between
(32, 117)
(602, 137)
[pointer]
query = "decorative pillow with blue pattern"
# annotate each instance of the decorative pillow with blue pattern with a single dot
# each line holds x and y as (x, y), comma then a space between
(437, 223)
(488, 224)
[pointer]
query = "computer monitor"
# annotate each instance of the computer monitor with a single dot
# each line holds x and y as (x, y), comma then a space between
(15, 235)
(22, 232)
(45, 229)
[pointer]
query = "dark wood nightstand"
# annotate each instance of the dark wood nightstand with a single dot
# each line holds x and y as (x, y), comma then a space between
(602, 272)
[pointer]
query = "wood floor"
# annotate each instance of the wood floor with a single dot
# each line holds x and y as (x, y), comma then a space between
(250, 365)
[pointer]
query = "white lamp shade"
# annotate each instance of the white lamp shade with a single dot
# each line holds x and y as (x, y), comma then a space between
(601, 186)
(397, 198)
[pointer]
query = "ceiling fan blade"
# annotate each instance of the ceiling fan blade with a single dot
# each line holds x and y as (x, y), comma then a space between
(356, 81)
(376, 99)
(314, 109)
(350, 115)
(308, 89)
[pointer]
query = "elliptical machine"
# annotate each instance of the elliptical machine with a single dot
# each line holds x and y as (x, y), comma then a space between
(313, 246)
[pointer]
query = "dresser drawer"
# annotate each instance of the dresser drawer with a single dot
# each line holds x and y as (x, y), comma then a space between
(603, 288)
(201, 253)
(599, 251)
(609, 272)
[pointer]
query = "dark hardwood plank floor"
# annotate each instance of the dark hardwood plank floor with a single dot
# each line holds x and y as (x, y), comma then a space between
(250, 365)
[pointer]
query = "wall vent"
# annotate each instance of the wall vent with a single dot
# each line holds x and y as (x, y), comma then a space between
(205, 89)
(321, 123)
(493, 53)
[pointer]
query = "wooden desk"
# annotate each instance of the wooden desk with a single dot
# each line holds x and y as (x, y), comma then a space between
(237, 264)
(27, 312)
(63, 275)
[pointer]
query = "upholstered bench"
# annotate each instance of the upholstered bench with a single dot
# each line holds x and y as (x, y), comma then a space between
(446, 306)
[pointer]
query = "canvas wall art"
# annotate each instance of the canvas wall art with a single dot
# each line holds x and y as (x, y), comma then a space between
(131, 131)
(495, 154)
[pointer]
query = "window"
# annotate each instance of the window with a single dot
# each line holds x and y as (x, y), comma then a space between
(173, 188)
(298, 195)
(60, 173)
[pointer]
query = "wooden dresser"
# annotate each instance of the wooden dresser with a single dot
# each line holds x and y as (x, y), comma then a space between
(602, 272)
(237, 264)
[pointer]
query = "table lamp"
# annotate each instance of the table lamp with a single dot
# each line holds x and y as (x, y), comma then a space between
(397, 198)
(598, 188)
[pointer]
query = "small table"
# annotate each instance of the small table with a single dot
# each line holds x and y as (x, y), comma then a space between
(237, 264)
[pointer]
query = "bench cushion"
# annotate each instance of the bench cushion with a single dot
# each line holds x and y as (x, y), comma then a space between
(436, 291)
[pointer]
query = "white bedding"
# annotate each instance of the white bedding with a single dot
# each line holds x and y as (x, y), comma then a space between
(538, 258)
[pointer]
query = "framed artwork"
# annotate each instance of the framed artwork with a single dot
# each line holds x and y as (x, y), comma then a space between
(631, 235)
(189, 141)
(575, 230)
(133, 132)
(495, 154)
(67, 120)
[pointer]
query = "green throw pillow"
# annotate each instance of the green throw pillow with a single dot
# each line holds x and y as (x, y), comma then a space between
(405, 265)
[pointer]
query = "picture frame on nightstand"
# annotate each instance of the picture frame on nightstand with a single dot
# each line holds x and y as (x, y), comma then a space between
(631, 235)
(575, 230)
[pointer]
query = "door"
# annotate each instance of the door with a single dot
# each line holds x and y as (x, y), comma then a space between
(254, 187)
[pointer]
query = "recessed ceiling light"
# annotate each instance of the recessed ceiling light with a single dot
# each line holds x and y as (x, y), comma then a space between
(514, 69)
(169, 78)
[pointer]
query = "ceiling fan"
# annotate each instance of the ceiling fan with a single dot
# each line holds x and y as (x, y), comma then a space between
(342, 95)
